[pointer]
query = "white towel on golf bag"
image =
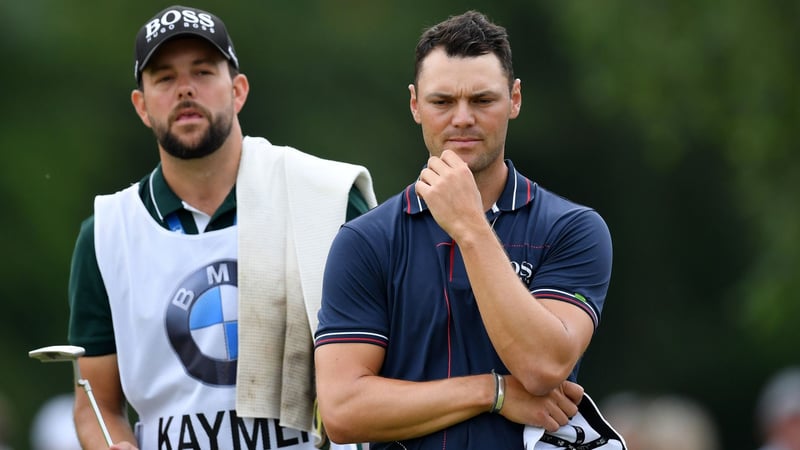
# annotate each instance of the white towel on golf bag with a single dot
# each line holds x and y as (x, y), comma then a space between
(586, 427)
(290, 207)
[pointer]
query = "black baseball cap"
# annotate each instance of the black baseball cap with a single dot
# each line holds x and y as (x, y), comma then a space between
(180, 21)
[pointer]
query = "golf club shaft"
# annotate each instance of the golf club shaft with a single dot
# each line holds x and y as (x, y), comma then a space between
(88, 389)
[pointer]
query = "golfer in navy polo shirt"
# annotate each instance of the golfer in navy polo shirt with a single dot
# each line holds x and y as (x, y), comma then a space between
(457, 312)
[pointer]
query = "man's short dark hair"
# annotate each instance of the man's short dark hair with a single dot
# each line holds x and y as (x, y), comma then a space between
(469, 34)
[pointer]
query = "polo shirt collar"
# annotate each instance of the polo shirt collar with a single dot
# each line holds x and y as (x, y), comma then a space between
(164, 200)
(517, 193)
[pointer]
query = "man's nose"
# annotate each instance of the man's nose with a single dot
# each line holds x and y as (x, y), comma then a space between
(463, 115)
(186, 88)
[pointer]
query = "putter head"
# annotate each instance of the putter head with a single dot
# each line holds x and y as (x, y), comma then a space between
(57, 353)
(71, 353)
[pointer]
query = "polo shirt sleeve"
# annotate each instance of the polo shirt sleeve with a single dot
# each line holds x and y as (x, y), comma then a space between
(90, 324)
(577, 267)
(354, 302)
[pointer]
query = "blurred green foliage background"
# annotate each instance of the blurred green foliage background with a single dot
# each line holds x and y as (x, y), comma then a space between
(676, 120)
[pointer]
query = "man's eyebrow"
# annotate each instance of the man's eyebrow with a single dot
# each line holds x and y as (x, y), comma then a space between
(439, 95)
(483, 93)
(204, 60)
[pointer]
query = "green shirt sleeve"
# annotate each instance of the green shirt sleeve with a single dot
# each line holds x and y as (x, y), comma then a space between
(356, 204)
(90, 324)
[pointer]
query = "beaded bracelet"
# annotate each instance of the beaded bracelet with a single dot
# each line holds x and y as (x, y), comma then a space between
(499, 392)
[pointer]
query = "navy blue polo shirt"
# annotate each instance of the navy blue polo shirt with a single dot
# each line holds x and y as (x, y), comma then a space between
(395, 279)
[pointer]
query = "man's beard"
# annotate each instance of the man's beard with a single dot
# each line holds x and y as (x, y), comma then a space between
(218, 131)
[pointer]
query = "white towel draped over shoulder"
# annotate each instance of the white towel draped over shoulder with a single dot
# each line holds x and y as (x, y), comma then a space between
(289, 207)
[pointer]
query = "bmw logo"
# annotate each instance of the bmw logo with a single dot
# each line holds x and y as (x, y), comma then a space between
(202, 323)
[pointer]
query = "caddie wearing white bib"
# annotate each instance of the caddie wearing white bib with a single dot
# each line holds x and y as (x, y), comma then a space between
(195, 290)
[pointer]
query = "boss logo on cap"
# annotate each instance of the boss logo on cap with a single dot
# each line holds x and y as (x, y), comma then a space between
(171, 17)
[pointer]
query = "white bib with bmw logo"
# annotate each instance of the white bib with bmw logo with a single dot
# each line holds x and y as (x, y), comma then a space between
(174, 307)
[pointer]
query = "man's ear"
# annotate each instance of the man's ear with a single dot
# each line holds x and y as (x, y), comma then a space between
(241, 87)
(516, 99)
(137, 98)
(413, 102)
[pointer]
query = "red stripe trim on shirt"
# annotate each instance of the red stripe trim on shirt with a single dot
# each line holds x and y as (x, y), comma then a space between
(350, 339)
